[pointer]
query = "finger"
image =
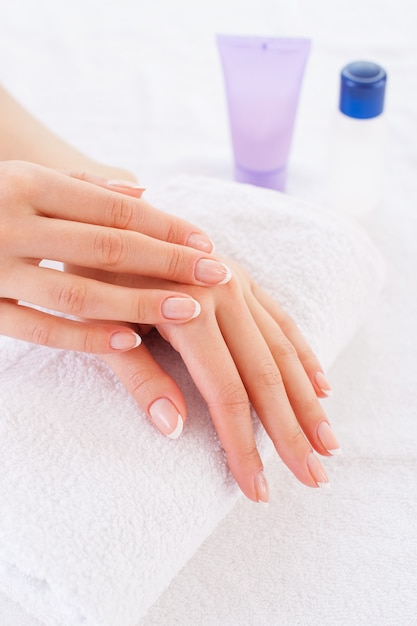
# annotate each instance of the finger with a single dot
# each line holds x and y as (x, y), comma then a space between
(88, 298)
(154, 391)
(307, 357)
(264, 380)
(307, 409)
(127, 187)
(208, 360)
(57, 195)
(27, 324)
(112, 249)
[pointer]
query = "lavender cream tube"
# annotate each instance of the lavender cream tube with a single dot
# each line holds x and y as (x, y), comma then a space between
(263, 77)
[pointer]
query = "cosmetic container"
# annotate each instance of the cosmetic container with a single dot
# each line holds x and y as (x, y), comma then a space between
(262, 77)
(357, 142)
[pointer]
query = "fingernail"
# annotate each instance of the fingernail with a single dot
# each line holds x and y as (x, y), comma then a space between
(261, 488)
(323, 384)
(180, 308)
(166, 418)
(121, 340)
(127, 184)
(212, 272)
(317, 470)
(328, 439)
(200, 242)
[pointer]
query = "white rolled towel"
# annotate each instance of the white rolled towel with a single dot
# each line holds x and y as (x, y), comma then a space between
(98, 510)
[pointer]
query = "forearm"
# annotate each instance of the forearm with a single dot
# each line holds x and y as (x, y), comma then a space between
(25, 138)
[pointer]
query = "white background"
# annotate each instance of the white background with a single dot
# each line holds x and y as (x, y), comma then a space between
(139, 84)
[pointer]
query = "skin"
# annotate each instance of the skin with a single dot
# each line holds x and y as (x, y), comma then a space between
(58, 204)
(46, 214)
(243, 350)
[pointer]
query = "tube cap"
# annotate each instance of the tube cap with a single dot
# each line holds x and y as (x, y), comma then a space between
(362, 89)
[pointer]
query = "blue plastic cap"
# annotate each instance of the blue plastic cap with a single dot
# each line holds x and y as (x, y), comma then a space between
(362, 89)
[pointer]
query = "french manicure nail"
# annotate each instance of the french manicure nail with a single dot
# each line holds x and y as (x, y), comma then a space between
(166, 418)
(328, 439)
(317, 470)
(200, 242)
(212, 272)
(180, 308)
(261, 488)
(127, 184)
(124, 340)
(323, 384)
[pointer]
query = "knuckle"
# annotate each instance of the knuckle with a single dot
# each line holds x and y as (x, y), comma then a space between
(284, 349)
(268, 374)
(171, 231)
(175, 263)
(40, 334)
(119, 211)
(246, 454)
(140, 310)
(79, 175)
(18, 180)
(233, 396)
(138, 382)
(311, 408)
(89, 341)
(71, 298)
(307, 356)
(109, 248)
(295, 437)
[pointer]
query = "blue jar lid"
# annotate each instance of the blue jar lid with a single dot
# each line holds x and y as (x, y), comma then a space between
(362, 89)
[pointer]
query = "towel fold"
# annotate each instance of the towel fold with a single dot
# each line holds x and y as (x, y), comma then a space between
(98, 510)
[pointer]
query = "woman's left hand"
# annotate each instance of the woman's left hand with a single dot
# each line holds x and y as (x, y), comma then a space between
(242, 350)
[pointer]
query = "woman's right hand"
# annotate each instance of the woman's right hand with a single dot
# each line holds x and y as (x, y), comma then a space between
(45, 214)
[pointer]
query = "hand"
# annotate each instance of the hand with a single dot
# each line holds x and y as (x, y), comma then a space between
(45, 214)
(242, 350)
